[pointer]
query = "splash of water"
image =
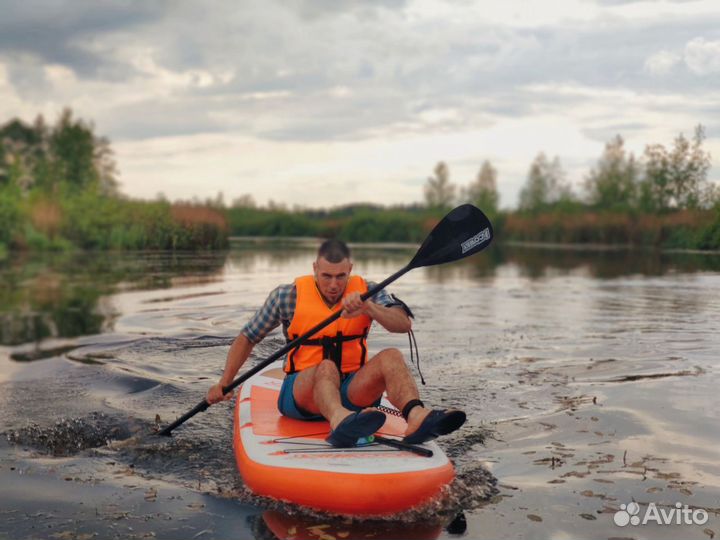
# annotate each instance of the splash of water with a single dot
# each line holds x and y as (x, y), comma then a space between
(69, 436)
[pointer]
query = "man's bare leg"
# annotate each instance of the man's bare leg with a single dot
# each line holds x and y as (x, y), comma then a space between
(317, 390)
(387, 370)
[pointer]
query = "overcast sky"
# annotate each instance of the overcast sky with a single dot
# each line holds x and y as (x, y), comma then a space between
(326, 102)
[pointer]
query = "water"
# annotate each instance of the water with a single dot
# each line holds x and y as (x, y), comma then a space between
(589, 378)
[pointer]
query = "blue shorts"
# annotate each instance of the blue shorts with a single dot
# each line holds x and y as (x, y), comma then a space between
(288, 407)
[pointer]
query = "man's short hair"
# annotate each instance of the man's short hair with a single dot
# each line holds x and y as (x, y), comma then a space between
(334, 250)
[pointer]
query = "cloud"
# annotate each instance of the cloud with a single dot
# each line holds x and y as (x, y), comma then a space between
(662, 63)
(703, 57)
(699, 55)
(406, 76)
(54, 31)
(624, 2)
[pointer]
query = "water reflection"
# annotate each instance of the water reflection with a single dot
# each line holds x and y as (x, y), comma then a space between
(536, 262)
(67, 295)
(282, 251)
(612, 364)
(70, 295)
(532, 261)
(274, 525)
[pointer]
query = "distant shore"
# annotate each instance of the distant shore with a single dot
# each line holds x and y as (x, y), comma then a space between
(683, 229)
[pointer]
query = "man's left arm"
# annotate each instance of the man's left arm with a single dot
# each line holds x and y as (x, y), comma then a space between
(394, 318)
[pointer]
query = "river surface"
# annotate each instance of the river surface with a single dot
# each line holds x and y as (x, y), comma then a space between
(590, 379)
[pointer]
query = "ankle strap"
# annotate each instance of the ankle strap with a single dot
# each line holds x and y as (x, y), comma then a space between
(409, 406)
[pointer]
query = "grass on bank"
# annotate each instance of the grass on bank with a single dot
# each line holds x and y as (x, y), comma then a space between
(89, 221)
(686, 229)
(354, 223)
(59, 189)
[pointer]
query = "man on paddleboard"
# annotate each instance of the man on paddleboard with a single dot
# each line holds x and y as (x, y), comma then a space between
(330, 375)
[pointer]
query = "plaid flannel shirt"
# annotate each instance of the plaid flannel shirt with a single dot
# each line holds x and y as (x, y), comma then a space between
(279, 308)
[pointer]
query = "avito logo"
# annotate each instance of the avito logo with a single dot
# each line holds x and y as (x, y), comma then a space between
(629, 514)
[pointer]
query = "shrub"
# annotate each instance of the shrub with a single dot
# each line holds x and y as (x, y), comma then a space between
(95, 222)
(10, 216)
(198, 227)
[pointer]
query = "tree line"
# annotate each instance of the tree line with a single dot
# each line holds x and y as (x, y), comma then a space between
(663, 180)
(59, 189)
(663, 198)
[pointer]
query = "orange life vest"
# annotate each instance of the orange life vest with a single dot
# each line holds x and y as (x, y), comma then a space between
(344, 341)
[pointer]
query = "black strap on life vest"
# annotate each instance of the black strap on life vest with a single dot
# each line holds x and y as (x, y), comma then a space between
(411, 339)
(400, 303)
(332, 348)
(411, 336)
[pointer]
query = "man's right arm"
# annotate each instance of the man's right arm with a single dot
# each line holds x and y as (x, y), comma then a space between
(237, 355)
(267, 318)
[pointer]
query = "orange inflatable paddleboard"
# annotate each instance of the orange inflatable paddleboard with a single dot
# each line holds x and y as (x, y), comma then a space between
(289, 460)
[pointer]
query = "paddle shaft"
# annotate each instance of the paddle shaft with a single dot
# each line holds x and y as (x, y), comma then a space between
(203, 405)
(415, 449)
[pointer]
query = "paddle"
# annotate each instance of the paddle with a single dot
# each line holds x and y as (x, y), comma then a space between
(461, 233)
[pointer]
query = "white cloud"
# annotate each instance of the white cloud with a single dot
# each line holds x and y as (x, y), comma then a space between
(439, 116)
(700, 56)
(8, 98)
(703, 57)
(660, 9)
(326, 103)
(387, 168)
(340, 92)
(511, 13)
(662, 63)
(14, 105)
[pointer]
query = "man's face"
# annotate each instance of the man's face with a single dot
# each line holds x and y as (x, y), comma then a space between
(332, 278)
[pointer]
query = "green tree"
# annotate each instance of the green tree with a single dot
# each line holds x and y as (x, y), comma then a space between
(10, 214)
(79, 158)
(44, 179)
(20, 149)
(104, 161)
(72, 147)
(482, 192)
(675, 178)
(710, 196)
(244, 201)
(545, 185)
(439, 192)
(612, 184)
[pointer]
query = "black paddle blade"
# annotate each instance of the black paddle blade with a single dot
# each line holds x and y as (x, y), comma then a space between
(463, 232)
